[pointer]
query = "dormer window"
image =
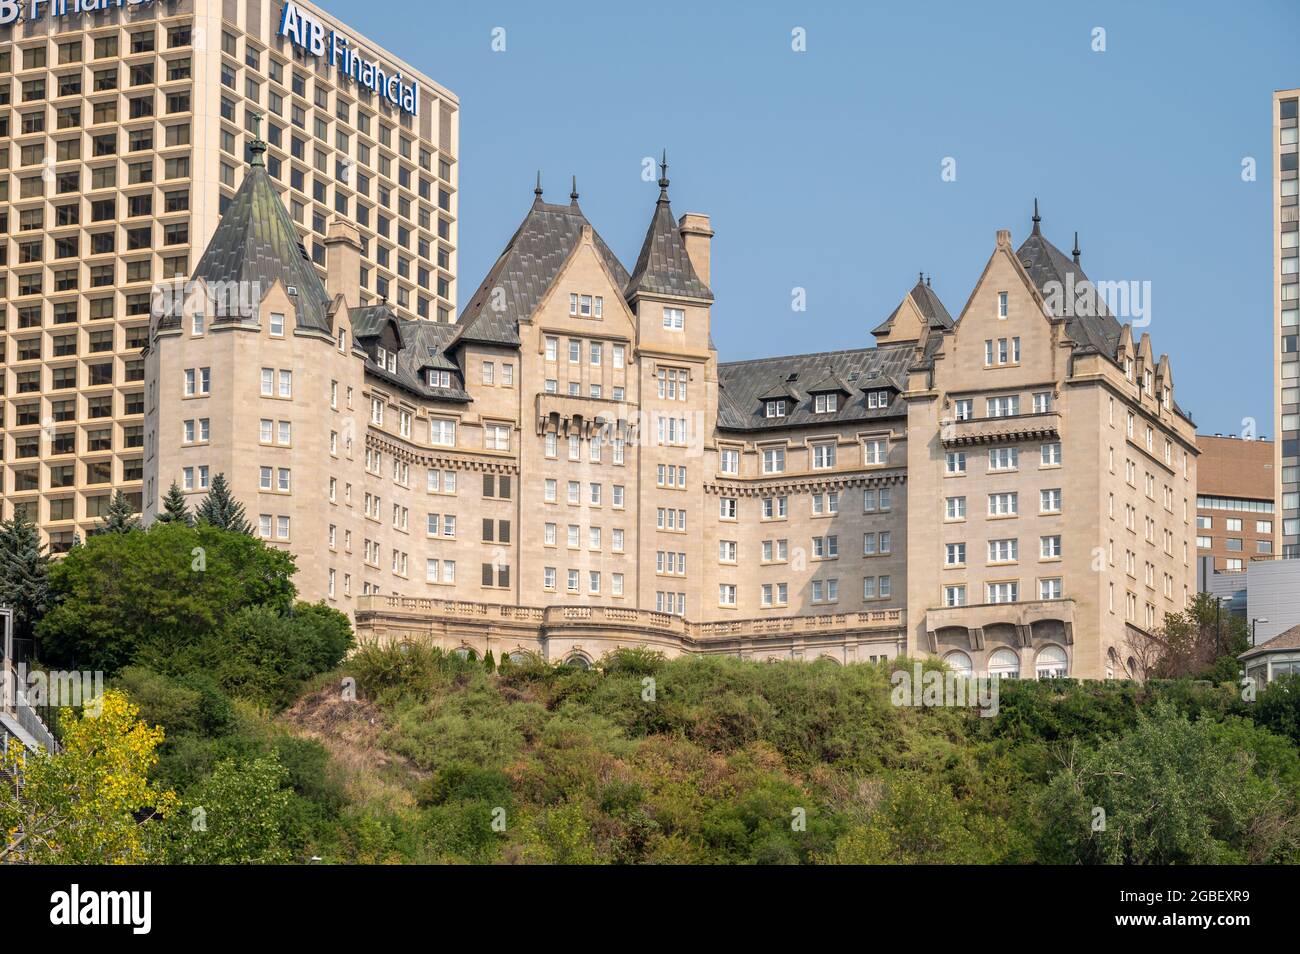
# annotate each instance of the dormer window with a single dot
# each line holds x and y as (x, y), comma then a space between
(878, 399)
(775, 409)
(674, 319)
(1128, 368)
(439, 379)
(386, 359)
(277, 326)
(826, 403)
(1146, 381)
(1002, 304)
(343, 339)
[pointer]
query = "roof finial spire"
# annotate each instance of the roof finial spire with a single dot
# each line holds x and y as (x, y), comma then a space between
(927, 281)
(573, 195)
(537, 189)
(1076, 248)
(920, 278)
(663, 177)
(256, 146)
(1037, 218)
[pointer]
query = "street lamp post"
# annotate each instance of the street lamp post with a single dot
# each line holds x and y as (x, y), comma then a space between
(1253, 621)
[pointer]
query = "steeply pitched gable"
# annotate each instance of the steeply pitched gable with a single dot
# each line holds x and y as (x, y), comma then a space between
(525, 271)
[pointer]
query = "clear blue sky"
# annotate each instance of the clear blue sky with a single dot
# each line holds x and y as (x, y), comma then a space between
(822, 169)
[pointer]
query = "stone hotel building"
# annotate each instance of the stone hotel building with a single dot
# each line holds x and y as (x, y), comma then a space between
(569, 467)
(123, 138)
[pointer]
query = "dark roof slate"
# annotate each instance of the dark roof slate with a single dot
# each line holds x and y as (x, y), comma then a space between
(257, 244)
(743, 384)
(525, 270)
(424, 345)
(1047, 264)
(663, 267)
(927, 302)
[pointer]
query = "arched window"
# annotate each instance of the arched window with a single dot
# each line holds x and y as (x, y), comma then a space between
(1004, 664)
(1051, 663)
(959, 662)
(519, 656)
(577, 662)
(464, 652)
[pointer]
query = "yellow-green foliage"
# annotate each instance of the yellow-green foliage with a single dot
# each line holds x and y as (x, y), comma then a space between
(718, 760)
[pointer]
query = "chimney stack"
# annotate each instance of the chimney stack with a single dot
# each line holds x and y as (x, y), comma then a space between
(343, 262)
(695, 233)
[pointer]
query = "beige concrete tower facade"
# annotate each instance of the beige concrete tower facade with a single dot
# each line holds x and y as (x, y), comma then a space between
(123, 139)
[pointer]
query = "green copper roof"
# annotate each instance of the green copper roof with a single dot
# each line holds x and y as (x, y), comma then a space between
(257, 244)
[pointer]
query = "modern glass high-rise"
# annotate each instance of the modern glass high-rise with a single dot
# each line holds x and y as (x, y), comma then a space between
(122, 138)
(1286, 317)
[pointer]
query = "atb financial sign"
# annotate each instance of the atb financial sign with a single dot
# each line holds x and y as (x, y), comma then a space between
(313, 37)
(11, 11)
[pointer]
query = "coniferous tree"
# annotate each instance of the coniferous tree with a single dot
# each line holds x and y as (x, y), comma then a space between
(120, 516)
(220, 509)
(174, 509)
(489, 665)
(24, 573)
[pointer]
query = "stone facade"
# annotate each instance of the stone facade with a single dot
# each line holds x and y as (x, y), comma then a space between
(569, 468)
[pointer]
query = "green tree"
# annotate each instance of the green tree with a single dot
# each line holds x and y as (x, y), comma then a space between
(174, 509)
(238, 815)
(120, 516)
(152, 598)
(1278, 707)
(220, 508)
(92, 802)
(24, 572)
(489, 664)
(264, 654)
(1171, 791)
(1203, 641)
(920, 821)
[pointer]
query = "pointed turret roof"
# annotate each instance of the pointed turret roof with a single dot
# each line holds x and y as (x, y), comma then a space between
(663, 267)
(1048, 268)
(525, 270)
(257, 244)
(927, 303)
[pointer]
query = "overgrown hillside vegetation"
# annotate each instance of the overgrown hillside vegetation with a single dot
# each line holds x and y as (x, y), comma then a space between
(717, 760)
(238, 729)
